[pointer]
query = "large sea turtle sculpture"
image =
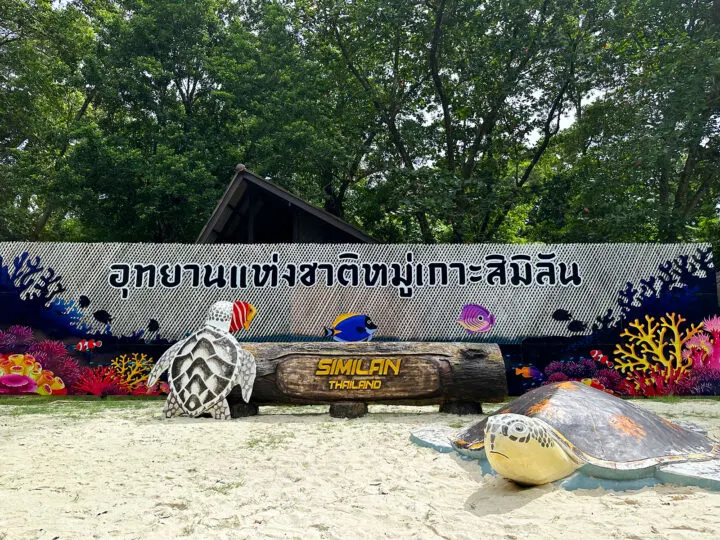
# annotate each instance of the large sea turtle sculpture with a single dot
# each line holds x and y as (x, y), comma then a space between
(204, 367)
(569, 428)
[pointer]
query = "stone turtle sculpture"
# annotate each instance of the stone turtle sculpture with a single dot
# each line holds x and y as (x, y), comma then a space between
(554, 431)
(204, 367)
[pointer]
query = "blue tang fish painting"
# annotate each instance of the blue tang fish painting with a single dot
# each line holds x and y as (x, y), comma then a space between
(351, 327)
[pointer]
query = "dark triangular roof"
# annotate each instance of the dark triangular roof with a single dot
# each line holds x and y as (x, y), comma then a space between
(233, 215)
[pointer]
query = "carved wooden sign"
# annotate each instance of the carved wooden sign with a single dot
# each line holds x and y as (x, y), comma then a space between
(378, 372)
(373, 378)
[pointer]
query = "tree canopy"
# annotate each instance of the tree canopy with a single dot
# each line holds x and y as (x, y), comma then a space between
(415, 120)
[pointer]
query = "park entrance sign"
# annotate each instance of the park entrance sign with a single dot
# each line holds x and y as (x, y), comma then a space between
(635, 319)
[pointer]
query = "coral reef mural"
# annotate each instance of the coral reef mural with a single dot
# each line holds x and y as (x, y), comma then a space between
(659, 340)
(46, 367)
(48, 363)
(126, 375)
(654, 358)
(631, 320)
(667, 357)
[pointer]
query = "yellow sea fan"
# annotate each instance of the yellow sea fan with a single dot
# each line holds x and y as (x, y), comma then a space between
(133, 369)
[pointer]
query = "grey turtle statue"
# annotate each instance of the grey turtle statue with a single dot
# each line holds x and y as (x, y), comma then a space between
(204, 367)
(570, 430)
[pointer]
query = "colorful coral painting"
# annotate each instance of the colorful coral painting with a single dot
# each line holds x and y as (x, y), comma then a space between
(45, 367)
(649, 348)
(127, 374)
(57, 351)
(632, 320)
(669, 357)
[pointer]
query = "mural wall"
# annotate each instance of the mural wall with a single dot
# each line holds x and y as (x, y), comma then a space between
(629, 319)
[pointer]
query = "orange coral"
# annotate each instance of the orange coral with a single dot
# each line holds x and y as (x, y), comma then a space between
(656, 346)
(132, 370)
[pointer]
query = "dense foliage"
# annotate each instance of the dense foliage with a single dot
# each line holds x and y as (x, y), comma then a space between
(432, 121)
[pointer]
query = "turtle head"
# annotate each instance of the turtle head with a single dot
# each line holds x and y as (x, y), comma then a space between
(525, 450)
(220, 315)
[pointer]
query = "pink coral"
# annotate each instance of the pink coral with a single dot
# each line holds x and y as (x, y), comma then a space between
(608, 378)
(17, 384)
(26, 375)
(48, 348)
(553, 367)
(22, 334)
(15, 336)
(7, 340)
(712, 325)
(698, 348)
(557, 377)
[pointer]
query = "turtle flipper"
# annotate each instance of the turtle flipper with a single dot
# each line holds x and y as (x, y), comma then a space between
(246, 374)
(220, 411)
(172, 406)
(163, 364)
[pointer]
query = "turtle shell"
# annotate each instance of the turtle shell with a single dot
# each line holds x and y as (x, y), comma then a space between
(203, 370)
(601, 429)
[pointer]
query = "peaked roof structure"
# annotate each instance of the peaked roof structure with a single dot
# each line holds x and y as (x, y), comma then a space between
(253, 211)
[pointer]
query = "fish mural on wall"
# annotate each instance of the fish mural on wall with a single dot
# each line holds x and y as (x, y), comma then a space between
(571, 330)
(476, 319)
(351, 327)
(528, 372)
(87, 345)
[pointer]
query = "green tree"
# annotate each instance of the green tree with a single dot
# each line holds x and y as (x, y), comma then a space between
(460, 88)
(642, 162)
(43, 106)
(168, 133)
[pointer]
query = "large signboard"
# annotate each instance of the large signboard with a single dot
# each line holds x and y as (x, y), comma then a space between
(595, 312)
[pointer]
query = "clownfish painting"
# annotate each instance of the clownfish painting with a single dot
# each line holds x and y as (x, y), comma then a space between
(85, 345)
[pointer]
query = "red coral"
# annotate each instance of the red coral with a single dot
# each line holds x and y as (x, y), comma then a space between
(99, 381)
(653, 382)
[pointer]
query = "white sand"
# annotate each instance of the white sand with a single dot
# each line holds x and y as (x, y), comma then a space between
(123, 472)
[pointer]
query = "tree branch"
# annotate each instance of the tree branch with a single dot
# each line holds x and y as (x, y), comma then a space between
(439, 89)
(548, 131)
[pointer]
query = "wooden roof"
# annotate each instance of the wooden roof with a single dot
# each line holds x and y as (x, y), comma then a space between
(233, 219)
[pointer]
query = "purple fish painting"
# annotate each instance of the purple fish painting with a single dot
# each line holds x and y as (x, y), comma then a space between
(475, 318)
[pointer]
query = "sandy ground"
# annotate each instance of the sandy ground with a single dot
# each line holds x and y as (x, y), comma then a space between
(117, 470)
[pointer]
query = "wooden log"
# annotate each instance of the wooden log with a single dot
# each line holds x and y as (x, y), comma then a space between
(415, 373)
